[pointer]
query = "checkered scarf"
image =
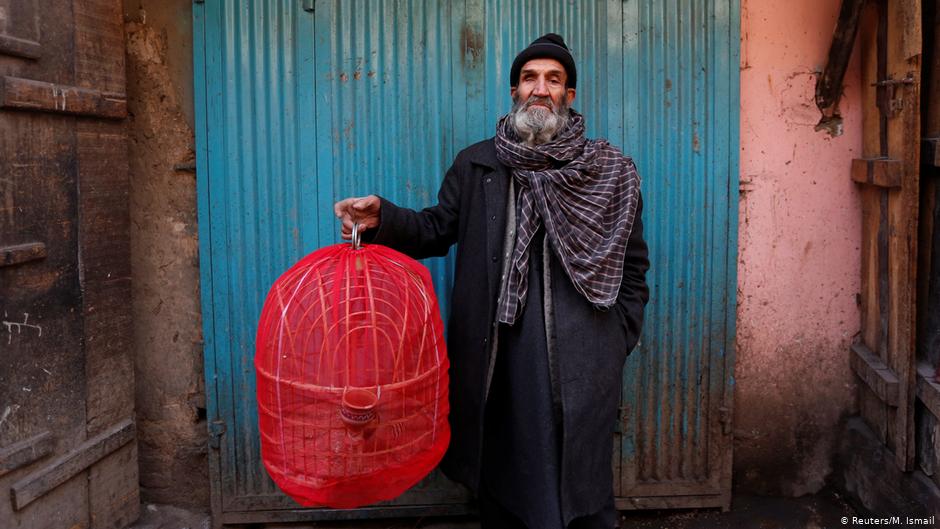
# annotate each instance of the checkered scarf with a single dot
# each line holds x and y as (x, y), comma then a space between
(585, 192)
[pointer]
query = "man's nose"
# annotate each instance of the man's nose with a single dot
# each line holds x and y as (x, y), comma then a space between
(541, 88)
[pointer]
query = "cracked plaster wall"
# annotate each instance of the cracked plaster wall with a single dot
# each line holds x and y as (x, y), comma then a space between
(164, 254)
(799, 260)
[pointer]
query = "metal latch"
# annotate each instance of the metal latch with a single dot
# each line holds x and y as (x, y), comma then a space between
(889, 102)
(216, 431)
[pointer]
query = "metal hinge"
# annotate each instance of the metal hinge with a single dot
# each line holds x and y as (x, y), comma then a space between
(621, 425)
(310, 6)
(724, 417)
(216, 431)
(930, 152)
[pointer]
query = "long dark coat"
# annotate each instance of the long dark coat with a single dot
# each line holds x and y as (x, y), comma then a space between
(590, 345)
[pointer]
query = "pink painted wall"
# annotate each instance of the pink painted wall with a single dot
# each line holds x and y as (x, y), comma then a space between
(799, 260)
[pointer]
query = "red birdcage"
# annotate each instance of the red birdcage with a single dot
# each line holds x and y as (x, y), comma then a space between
(352, 377)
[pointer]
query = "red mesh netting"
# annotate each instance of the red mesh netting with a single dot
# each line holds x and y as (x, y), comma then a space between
(352, 377)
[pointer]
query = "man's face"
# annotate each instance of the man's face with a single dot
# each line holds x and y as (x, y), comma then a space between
(543, 80)
(540, 101)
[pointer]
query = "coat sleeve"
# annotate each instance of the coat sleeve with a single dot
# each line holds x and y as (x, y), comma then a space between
(426, 233)
(634, 292)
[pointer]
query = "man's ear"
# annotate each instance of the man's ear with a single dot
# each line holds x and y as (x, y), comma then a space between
(512, 92)
(571, 94)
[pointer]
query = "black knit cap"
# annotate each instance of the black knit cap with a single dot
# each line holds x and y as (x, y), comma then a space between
(548, 46)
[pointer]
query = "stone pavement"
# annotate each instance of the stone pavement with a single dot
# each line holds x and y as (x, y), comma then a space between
(824, 510)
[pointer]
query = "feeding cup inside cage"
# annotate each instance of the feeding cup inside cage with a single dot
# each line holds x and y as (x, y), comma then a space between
(351, 377)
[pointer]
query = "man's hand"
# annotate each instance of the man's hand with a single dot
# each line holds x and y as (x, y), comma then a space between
(361, 210)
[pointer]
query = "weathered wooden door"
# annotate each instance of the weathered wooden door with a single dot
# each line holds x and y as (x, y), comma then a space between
(302, 102)
(68, 456)
(888, 177)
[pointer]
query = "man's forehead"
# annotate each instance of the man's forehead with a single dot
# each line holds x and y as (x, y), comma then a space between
(543, 65)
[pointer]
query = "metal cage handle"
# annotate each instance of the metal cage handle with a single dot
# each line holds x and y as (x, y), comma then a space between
(356, 237)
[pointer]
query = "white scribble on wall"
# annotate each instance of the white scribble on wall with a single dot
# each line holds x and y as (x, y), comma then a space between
(18, 326)
(59, 96)
(7, 412)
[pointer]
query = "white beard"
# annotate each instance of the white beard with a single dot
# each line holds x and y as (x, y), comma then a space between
(535, 124)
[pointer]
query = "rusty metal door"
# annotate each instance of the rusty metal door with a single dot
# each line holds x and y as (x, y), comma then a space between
(302, 102)
(68, 456)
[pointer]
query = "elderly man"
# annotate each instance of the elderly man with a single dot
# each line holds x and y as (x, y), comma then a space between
(548, 299)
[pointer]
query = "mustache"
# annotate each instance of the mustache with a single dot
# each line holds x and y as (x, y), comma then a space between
(536, 100)
(519, 105)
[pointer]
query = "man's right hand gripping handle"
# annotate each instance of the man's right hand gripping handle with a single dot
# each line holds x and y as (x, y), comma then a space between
(361, 210)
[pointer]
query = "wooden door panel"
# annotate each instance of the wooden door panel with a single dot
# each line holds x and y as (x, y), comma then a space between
(67, 449)
(888, 175)
(19, 29)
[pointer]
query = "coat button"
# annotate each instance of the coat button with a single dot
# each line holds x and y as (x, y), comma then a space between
(488, 180)
(494, 258)
(485, 340)
(493, 217)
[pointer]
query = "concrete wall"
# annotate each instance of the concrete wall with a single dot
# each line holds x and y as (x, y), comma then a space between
(798, 265)
(799, 260)
(167, 339)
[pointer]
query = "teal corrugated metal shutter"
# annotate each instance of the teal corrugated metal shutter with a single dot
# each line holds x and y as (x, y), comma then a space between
(301, 103)
(681, 100)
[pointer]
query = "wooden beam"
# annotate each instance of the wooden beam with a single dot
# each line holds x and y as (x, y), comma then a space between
(17, 47)
(369, 512)
(25, 452)
(27, 94)
(928, 390)
(829, 84)
(881, 172)
(703, 501)
(875, 373)
(903, 133)
(60, 470)
(21, 253)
